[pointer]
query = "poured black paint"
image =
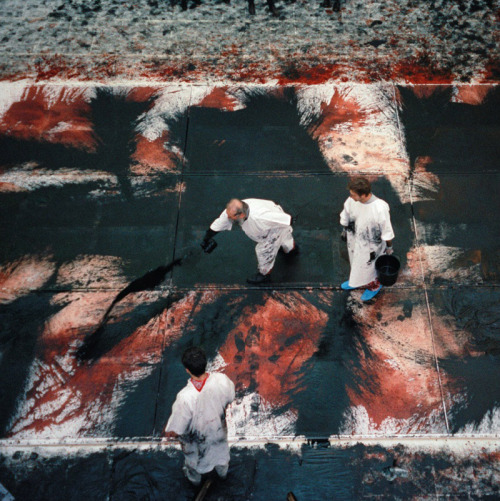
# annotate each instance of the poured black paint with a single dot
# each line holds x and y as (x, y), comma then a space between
(90, 348)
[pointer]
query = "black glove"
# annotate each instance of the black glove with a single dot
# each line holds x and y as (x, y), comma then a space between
(209, 244)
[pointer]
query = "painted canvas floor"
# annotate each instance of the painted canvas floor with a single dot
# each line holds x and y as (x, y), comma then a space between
(100, 184)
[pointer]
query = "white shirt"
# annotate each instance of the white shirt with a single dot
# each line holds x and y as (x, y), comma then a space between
(372, 228)
(199, 418)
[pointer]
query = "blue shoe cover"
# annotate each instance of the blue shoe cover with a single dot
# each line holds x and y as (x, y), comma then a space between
(368, 294)
(345, 286)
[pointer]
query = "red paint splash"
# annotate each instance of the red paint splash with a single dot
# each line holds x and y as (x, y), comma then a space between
(398, 378)
(266, 351)
(142, 94)
(9, 187)
(418, 70)
(153, 154)
(293, 73)
(63, 391)
(220, 99)
(339, 110)
(289, 67)
(41, 116)
(472, 94)
(426, 91)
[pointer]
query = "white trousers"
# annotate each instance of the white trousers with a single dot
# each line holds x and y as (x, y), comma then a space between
(267, 250)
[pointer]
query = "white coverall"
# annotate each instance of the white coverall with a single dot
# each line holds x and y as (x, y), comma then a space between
(372, 228)
(268, 225)
(198, 417)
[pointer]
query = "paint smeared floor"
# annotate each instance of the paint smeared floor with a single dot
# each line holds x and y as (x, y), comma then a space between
(102, 184)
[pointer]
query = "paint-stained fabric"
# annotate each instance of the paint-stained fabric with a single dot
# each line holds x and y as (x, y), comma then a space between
(198, 417)
(268, 225)
(370, 227)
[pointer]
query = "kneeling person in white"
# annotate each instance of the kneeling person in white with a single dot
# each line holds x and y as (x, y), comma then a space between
(198, 418)
(368, 231)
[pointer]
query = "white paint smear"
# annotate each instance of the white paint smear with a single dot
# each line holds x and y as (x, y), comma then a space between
(252, 416)
(358, 422)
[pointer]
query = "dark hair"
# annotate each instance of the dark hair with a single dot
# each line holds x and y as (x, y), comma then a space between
(360, 185)
(195, 360)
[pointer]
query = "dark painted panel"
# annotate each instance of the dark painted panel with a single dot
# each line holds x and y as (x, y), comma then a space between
(468, 318)
(21, 325)
(63, 224)
(463, 213)
(264, 136)
(319, 354)
(60, 476)
(458, 137)
(315, 471)
(45, 390)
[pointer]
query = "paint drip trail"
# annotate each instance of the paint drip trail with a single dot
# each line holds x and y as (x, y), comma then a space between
(90, 347)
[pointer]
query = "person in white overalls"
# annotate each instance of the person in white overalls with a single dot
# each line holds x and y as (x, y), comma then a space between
(198, 419)
(368, 232)
(264, 222)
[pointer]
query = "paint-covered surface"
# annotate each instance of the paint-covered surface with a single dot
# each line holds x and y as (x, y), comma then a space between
(99, 184)
(309, 471)
(367, 41)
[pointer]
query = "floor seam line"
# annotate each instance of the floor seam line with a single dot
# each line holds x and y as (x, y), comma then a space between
(429, 314)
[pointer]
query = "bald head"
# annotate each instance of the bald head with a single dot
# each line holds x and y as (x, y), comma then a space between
(236, 209)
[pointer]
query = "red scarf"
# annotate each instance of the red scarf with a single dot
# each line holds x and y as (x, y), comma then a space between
(199, 384)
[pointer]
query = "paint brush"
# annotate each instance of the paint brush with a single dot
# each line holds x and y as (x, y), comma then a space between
(151, 279)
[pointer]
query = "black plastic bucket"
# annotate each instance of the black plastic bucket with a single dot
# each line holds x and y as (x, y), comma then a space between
(387, 269)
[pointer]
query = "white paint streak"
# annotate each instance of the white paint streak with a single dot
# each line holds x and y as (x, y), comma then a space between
(358, 422)
(10, 93)
(252, 416)
(29, 178)
(490, 424)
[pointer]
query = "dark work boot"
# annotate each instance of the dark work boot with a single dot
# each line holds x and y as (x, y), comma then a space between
(259, 279)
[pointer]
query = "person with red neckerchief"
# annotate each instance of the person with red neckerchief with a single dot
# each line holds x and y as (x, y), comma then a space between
(198, 418)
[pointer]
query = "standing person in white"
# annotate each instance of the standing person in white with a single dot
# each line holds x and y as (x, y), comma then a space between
(264, 222)
(198, 418)
(368, 231)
